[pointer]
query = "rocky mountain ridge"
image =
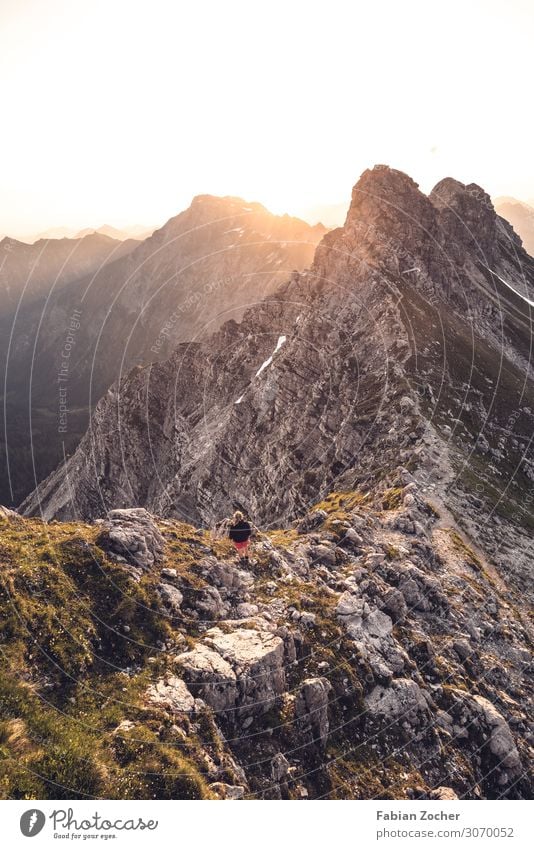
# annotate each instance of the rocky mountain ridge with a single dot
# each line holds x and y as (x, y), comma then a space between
(407, 342)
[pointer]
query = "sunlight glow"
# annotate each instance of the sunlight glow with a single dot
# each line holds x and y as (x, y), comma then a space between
(119, 112)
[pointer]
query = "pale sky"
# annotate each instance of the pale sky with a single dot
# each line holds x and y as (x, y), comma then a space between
(120, 111)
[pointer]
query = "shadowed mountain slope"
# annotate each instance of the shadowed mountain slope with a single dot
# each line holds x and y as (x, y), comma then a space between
(62, 352)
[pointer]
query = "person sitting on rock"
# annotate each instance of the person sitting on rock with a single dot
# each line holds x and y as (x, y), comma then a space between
(240, 532)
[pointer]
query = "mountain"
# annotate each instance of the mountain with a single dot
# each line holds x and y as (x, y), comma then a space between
(374, 415)
(204, 265)
(521, 217)
(105, 230)
(135, 232)
(53, 233)
(407, 343)
(28, 272)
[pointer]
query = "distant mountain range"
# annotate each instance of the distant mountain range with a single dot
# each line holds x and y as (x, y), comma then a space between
(521, 217)
(121, 234)
(30, 271)
(205, 266)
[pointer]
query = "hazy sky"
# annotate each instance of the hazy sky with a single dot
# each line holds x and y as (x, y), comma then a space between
(119, 111)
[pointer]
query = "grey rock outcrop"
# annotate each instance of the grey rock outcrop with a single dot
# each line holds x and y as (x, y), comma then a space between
(172, 597)
(279, 767)
(371, 629)
(241, 671)
(481, 718)
(445, 794)
(132, 536)
(209, 676)
(402, 701)
(258, 661)
(172, 695)
(311, 709)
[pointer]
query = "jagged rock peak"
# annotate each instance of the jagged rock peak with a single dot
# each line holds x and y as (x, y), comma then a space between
(386, 197)
(450, 192)
(382, 180)
(466, 214)
(219, 211)
(389, 202)
(207, 200)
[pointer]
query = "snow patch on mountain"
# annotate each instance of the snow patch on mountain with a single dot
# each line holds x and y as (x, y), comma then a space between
(268, 361)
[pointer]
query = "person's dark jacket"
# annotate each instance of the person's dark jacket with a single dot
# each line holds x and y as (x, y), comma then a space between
(240, 532)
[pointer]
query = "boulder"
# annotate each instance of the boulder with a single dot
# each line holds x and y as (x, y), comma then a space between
(311, 709)
(501, 741)
(133, 536)
(242, 671)
(371, 628)
(209, 604)
(171, 694)
(352, 538)
(257, 659)
(171, 597)
(312, 520)
(225, 575)
(246, 610)
(403, 701)
(308, 619)
(362, 619)
(395, 605)
(279, 767)
(421, 591)
(446, 794)
(209, 676)
(322, 554)
(462, 649)
(227, 791)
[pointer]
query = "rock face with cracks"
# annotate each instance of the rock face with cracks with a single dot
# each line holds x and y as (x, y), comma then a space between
(241, 672)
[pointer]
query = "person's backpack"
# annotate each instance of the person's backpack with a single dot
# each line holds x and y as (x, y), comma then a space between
(241, 531)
